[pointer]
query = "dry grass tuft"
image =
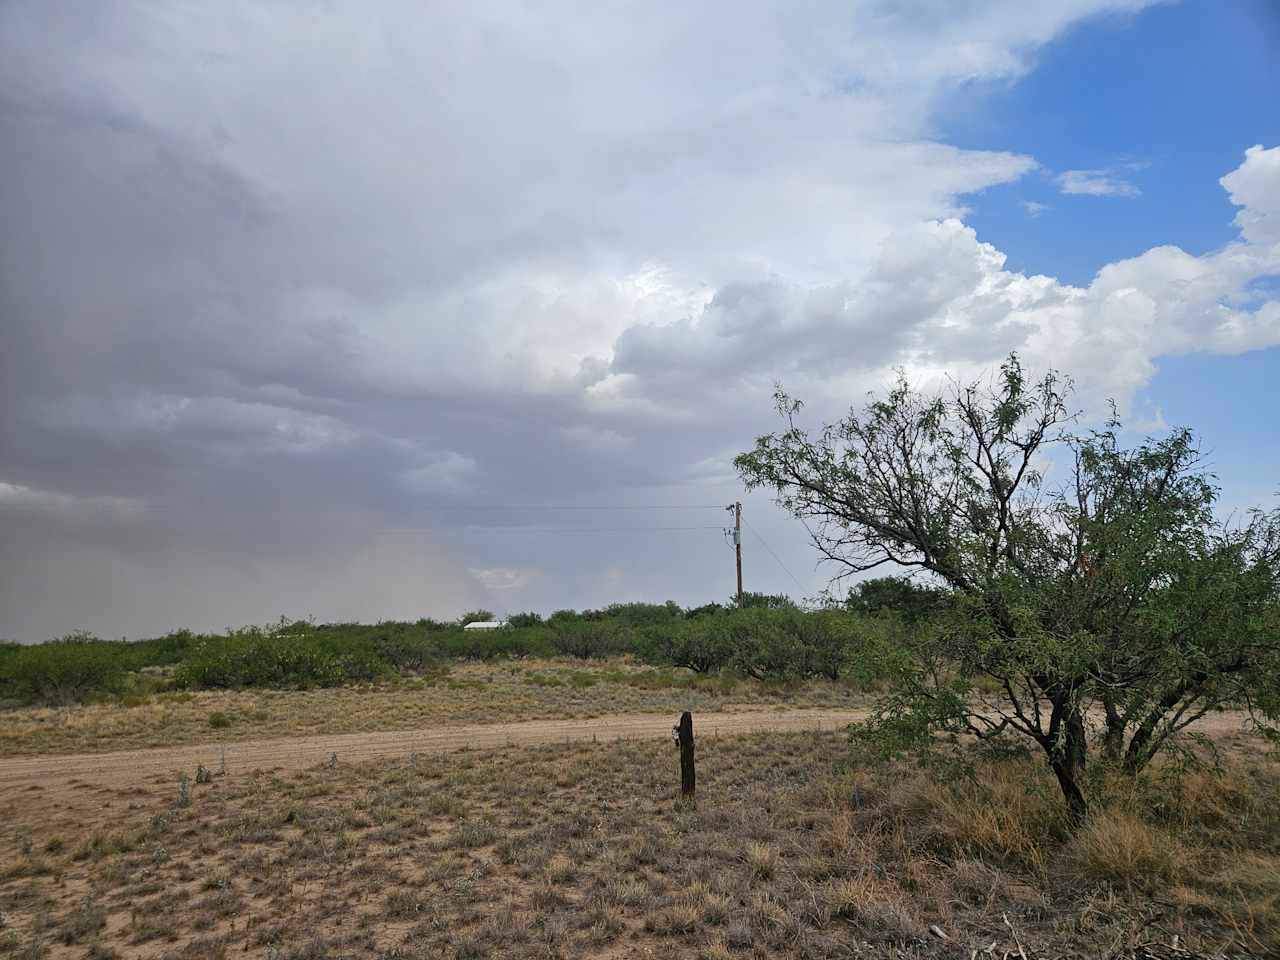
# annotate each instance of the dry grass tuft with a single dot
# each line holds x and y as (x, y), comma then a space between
(560, 869)
(1006, 815)
(762, 859)
(676, 919)
(1118, 847)
(876, 906)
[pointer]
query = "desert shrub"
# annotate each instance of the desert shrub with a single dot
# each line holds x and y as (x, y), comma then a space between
(508, 642)
(9, 652)
(826, 640)
(643, 614)
(752, 600)
(767, 644)
(367, 651)
(701, 645)
(528, 642)
(901, 596)
(407, 652)
(476, 616)
(361, 665)
(69, 670)
(589, 639)
(253, 658)
(880, 647)
(157, 651)
(432, 626)
(776, 643)
(529, 619)
(706, 610)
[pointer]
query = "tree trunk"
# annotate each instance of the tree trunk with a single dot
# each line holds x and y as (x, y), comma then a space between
(1141, 746)
(1068, 782)
(1067, 759)
(1136, 757)
(1113, 739)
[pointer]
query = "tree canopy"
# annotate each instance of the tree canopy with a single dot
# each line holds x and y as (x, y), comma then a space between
(1093, 584)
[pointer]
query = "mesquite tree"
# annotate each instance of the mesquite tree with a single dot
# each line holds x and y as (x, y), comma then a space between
(1090, 581)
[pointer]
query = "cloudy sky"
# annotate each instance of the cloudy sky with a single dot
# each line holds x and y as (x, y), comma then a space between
(389, 309)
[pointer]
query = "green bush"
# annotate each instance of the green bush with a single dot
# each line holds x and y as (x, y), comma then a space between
(504, 642)
(706, 610)
(368, 651)
(70, 670)
(590, 639)
(252, 658)
(763, 601)
(881, 648)
(642, 614)
(768, 645)
(406, 652)
(788, 644)
(529, 619)
(900, 596)
(9, 652)
(156, 652)
(432, 626)
(829, 639)
(702, 645)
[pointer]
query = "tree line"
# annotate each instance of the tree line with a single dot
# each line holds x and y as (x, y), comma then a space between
(769, 638)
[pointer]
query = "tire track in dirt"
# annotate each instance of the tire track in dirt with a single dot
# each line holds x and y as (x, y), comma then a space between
(52, 774)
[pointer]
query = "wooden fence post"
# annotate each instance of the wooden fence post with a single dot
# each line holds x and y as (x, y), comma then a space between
(684, 736)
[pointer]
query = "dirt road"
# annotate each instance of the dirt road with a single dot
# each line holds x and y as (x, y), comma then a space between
(52, 775)
(89, 787)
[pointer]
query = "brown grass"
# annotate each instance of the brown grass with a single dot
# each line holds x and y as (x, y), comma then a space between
(470, 693)
(583, 850)
(1120, 847)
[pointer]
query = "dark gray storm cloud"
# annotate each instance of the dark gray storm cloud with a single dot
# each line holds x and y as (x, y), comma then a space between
(303, 304)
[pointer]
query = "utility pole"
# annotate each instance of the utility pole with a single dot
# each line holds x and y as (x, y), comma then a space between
(736, 507)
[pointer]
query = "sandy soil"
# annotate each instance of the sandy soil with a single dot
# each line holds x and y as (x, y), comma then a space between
(51, 778)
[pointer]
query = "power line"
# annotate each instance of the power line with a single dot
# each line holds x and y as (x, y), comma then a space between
(764, 544)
